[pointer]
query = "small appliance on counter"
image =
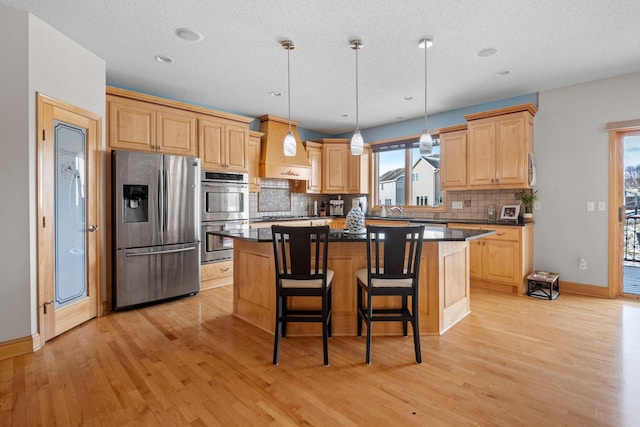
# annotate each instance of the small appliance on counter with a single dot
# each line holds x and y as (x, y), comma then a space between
(336, 207)
(362, 202)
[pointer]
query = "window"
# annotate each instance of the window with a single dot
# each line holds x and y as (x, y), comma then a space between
(394, 161)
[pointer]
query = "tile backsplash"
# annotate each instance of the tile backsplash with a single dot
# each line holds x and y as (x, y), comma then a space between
(276, 198)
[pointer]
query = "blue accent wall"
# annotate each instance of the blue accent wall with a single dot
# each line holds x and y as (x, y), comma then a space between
(435, 121)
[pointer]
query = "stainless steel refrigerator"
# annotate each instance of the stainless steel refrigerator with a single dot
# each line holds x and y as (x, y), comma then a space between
(156, 218)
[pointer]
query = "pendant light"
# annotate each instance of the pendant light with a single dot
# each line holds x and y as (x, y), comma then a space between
(357, 143)
(426, 142)
(289, 143)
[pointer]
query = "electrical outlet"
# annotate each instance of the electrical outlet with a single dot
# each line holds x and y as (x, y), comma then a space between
(602, 206)
(456, 205)
(582, 263)
(536, 205)
(591, 206)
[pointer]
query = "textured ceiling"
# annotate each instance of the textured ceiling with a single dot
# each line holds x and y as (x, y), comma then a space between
(545, 43)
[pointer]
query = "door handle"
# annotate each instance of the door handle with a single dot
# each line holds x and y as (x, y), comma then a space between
(93, 228)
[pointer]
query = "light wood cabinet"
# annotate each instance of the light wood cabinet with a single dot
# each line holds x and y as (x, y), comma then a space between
(503, 260)
(141, 122)
(334, 167)
(223, 145)
(499, 142)
(338, 223)
(254, 151)
(140, 126)
(314, 184)
(216, 274)
(343, 173)
(453, 157)
(358, 169)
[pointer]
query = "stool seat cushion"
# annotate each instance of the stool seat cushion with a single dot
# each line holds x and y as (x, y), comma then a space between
(362, 275)
(308, 284)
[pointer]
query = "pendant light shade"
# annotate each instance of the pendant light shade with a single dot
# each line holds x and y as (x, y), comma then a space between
(426, 142)
(289, 142)
(357, 143)
(289, 145)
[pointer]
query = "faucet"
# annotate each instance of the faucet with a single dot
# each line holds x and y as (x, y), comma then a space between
(399, 209)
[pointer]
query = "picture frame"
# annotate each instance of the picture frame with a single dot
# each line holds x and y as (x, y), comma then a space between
(509, 213)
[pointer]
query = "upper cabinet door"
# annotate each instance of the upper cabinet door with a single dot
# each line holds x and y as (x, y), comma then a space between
(132, 125)
(511, 153)
(223, 146)
(453, 160)
(359, 173)
(254, 149)
(236, 148)
(211, 145)
(482, 164)
(334, 171)
(314, 185)
(176, 132)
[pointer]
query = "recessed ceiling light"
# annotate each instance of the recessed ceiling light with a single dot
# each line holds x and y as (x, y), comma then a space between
(188, 35)
(503, 72)
(399, 118)
(489, 51)
(164, 59)
(275, 93)
(344, 115)
(408, 98)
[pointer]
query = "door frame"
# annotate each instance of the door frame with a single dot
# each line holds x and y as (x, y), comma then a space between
(44, 171)
(617, 132)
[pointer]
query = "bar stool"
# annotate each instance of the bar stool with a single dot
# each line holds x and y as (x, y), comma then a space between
(393, 266)
(300, 255)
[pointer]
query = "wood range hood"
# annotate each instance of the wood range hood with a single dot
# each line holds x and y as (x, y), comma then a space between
(273, 162)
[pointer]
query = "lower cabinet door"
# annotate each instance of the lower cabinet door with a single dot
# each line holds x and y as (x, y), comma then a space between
(500, 261)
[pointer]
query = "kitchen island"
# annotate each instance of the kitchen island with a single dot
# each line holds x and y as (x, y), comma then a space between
(443, 286)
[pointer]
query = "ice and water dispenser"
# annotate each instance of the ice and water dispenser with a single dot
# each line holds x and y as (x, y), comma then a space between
(135, 203)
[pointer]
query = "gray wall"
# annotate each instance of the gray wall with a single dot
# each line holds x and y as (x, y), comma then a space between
(572, 153)
(36, 58)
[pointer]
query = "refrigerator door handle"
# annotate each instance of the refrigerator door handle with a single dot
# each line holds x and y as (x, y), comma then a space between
(130, 254)
(160, 203)
(165, 208)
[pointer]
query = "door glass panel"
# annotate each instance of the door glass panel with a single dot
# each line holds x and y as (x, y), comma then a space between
(70, 208)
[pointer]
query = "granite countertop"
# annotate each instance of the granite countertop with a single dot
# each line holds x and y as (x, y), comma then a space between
(425, 221)
(431, 234)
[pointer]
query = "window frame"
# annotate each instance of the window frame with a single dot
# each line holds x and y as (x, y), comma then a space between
(407, 143)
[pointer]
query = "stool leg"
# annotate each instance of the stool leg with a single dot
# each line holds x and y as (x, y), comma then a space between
(278, 331)
(416, 328)
(369, 316)
(359, 310)
(325, 328)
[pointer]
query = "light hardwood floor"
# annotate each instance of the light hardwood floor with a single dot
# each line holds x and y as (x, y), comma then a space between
(513, 361)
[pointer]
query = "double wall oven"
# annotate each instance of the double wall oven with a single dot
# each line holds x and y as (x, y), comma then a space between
(224, 205)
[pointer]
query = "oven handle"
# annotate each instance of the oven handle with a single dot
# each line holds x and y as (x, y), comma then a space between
(224, 184)
(170, 251)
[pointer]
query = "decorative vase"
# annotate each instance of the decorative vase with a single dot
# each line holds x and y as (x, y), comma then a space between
(355, 220)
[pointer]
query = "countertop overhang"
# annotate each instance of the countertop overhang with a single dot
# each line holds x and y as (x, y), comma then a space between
(431, 234)
(425, 221)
